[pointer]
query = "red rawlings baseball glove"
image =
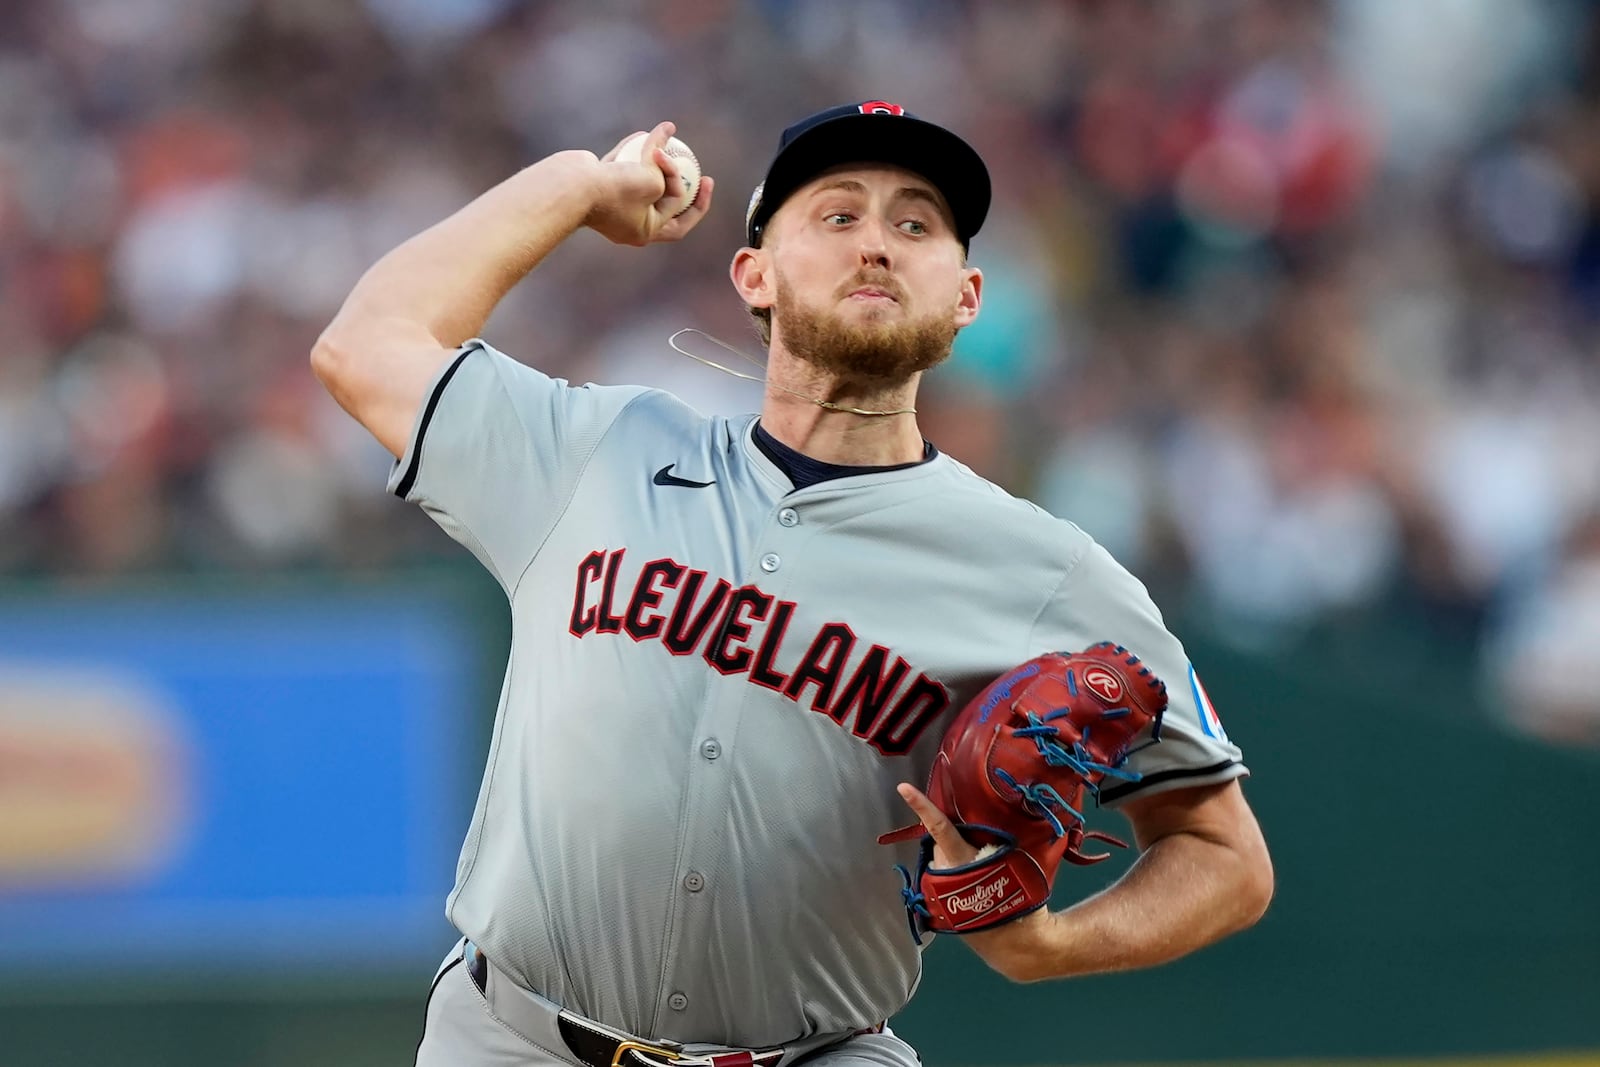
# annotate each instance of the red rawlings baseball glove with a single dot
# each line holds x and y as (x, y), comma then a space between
(1012, 774)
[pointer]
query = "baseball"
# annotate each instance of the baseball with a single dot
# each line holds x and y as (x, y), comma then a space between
(632, 151)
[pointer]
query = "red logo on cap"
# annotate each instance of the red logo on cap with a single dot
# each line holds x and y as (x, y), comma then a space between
(881, 107)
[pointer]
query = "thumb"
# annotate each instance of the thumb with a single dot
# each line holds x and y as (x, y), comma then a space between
(950, 848)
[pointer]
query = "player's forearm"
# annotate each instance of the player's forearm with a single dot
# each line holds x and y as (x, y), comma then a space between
(1185, 892)
(449, 278)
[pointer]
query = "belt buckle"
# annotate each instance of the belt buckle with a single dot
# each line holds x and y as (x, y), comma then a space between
(625, 1047)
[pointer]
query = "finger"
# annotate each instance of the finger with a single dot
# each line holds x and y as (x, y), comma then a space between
(938, 825)
(676, 227)
(928, 814)
(669, 171)
(659, 135)
(611, 156)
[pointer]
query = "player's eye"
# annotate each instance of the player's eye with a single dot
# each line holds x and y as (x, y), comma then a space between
(838, 218)
(915, 227)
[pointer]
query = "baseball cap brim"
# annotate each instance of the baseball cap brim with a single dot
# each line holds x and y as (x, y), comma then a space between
(945, 160)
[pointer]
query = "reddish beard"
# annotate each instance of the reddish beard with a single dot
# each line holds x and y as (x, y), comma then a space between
(877, 351)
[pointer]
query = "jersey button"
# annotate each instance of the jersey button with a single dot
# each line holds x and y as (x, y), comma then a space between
(789, 517)
(711, 749)
(677, 1002)
(694, 881)
(770, 562)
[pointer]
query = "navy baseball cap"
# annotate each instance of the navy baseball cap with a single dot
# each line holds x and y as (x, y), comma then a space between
(874, 132)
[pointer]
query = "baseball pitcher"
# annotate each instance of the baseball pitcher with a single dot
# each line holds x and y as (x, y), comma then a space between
(740, 644)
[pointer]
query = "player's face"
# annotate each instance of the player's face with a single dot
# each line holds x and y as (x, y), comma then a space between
(870, 279)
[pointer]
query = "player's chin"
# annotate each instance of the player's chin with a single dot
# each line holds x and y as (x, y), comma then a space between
(872, 311)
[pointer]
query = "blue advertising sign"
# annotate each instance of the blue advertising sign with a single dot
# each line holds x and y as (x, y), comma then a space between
(223, 782)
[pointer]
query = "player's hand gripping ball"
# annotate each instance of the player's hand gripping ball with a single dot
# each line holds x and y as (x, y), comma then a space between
(682, 156)
(1013, 773)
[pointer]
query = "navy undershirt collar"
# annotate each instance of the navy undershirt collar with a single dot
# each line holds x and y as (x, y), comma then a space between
(804, 471)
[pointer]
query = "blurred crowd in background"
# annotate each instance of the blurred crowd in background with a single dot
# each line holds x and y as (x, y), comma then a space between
(1293, 304)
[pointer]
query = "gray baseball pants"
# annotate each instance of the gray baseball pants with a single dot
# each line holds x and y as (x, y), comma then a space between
(513, 1027)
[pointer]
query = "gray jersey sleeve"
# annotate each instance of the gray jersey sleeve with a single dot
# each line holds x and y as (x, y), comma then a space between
(1099, 600)
(497, 450)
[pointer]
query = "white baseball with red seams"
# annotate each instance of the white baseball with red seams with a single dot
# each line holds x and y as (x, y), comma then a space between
(632, 151)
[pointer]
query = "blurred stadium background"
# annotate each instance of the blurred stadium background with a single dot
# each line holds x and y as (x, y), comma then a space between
(1294, 304)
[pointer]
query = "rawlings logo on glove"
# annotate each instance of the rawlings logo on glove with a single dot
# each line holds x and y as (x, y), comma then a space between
(980, 899)
(1012, 774)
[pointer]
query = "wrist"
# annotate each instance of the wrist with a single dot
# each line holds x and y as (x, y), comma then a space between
(571, 178)
(582, 178)
(581, 163)
(1026, 950)
(1037, 961)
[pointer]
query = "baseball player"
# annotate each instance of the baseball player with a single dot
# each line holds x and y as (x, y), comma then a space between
(736, 641)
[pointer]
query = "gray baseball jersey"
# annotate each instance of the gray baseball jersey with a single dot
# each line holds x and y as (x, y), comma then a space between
(715, 683)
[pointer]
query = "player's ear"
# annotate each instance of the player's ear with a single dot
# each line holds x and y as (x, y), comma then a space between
(753, 276)
(970, 297)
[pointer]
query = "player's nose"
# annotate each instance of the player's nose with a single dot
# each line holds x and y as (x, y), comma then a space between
(873, 244)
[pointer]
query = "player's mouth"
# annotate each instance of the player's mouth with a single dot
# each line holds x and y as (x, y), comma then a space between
(872, 294)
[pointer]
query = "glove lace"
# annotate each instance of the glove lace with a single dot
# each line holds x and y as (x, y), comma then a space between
(1043, 799)
(1058, 753)
(917, 913)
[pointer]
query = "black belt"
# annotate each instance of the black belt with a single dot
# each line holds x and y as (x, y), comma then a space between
(477, 967)
(600, 1046)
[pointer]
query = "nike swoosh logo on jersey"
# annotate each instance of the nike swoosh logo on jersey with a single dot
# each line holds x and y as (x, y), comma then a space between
(664, 476)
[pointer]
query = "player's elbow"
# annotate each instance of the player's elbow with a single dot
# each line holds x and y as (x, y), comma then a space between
(330, 359)
(1245, 880)
(339, 361)
(1255, 882)
(1263, 888)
